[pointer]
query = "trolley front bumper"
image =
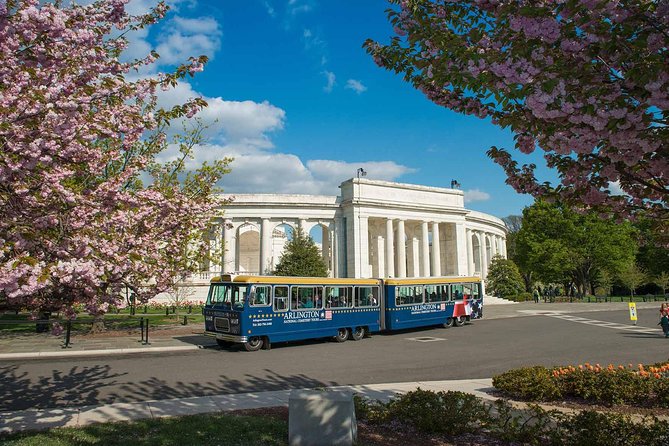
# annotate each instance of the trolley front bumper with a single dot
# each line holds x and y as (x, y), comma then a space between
(227, 337)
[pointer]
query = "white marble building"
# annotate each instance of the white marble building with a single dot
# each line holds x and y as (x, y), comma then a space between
(372, 229)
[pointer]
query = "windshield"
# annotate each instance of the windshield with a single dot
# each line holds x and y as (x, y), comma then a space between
(227, 296)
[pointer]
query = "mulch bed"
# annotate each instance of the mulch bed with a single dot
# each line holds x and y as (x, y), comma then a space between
(389, 434)
(581, 404)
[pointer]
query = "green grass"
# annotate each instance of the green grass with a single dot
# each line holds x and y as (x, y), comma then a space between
(112, 321)
(193, 430)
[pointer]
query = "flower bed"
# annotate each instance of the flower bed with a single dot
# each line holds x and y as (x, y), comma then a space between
(643, 385)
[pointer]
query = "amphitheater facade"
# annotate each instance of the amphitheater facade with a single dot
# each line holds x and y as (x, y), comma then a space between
(370, 229)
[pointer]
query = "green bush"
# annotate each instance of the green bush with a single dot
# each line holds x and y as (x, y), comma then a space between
(457, 413)
(534, 383)
(590, 428)
(449, 413)
(525, 296)
(647, 386)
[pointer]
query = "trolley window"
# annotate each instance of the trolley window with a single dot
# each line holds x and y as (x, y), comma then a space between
(408, 295)
(471, 290)
(280, 298)
(367, 296)
(338, 297)
(436, 293)
(458, 291)
(230, 296)
(260, 295)
(306, 298)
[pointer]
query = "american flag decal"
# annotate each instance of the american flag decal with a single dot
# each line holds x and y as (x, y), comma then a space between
(328, 315)
(442, 307)
(463, 308)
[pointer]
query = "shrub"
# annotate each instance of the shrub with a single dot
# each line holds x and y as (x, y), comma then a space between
(645, 385)
(534, 383)
(590, 428)
(525, 296)
(450, 413)
(373, 411)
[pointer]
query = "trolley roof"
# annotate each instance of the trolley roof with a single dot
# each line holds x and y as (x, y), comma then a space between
(286, 280)
(431, 280)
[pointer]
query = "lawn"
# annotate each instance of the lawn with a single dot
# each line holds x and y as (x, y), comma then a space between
(10, 322)
(193, 430)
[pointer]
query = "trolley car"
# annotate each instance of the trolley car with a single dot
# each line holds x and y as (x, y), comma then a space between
(257, 310)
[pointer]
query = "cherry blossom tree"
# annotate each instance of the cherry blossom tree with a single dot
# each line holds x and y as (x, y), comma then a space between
(86, 209)
(585, 81)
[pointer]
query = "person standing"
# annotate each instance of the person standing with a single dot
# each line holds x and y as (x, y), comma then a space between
(535, 294)
(664, 322)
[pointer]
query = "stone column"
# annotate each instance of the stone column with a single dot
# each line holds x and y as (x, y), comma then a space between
(401, 250)
(414, 256)
(228, 256)
(436, 250)
(215, 242)
(325, 248)
(381, 255)
(484, 255)
(265, 246)
(340, 247)
(504, 247)
(302, 224)
(390, 249)
(362, 269)
(470, 254)
(461, 252)
(425, 250)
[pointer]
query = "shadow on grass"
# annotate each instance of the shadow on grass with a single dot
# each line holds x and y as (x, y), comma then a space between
(183, 431)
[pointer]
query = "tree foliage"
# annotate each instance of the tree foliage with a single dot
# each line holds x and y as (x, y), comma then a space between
(77, 137)
(301, 257)
(632, 277)
(585, 81)
(504, 278)
(562, 246)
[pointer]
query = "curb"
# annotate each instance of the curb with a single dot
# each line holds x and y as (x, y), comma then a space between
(111, 351)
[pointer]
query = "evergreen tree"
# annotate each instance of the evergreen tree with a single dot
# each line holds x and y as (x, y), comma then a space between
(301, 258)
(504, 279)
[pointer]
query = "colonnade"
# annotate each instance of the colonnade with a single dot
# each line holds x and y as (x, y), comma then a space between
(392, 247)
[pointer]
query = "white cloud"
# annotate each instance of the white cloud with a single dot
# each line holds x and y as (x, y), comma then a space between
(241, 124)
(330, 76)
(189, 37)
(286, 173)
(476, 195)
(270, 9)
(338, 171)
(356, 86)
(615, 188)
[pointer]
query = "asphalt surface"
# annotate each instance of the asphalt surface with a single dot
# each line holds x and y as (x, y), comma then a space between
(479, 350)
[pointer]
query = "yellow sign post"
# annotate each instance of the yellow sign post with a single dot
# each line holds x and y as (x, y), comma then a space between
(633, 311)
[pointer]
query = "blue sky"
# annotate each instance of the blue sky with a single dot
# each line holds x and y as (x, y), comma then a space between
(300, 106)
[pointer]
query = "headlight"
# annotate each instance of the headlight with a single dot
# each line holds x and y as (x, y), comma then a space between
(209, 318)
(234, 321)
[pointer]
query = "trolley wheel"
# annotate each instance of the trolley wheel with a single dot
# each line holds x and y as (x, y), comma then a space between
(254, 343)
(222, 343)
(342, 335)
(449, 322)
(459, 322)
(358, 333)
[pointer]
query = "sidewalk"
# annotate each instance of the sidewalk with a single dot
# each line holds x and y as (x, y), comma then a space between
(184, 338)
(81, 416)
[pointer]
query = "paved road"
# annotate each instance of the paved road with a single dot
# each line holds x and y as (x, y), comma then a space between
(480, 350)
